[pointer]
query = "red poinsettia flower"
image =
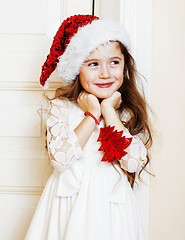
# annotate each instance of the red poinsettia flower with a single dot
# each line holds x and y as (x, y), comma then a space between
(113, 144)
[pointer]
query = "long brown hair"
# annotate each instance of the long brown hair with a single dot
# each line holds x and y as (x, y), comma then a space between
(133, 102)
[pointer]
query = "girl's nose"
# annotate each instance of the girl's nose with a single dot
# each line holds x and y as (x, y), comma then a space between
(104, 73)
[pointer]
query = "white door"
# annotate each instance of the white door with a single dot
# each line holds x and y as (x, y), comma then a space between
(26, 30)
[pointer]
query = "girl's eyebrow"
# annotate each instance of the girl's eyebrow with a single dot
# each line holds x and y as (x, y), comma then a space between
(120, 58)
(96, 59)
(90, 60)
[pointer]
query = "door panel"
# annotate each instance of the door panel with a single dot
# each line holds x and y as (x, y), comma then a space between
(25, 37)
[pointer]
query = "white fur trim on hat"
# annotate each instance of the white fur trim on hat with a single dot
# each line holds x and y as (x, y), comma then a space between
(86, 40)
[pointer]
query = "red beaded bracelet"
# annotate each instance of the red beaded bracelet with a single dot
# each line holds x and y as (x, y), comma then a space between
(91, 115)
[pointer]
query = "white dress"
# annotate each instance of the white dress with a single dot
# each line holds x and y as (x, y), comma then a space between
(85, 198)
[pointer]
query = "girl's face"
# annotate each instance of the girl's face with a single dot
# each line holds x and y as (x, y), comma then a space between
(102, 72)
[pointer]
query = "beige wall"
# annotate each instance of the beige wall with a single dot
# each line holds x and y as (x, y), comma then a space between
(167, 202)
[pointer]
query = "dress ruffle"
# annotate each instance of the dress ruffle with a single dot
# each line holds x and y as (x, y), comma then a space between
(73, 206)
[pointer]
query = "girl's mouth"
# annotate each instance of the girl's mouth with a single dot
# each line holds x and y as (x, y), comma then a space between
(104, 85)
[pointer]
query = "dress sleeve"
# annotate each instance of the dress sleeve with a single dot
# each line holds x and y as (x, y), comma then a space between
(63, 145)
(136, 154)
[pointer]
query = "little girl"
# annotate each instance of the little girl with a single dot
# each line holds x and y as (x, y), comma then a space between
(97, 136)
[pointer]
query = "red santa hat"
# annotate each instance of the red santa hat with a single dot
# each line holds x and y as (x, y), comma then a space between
(75, 39)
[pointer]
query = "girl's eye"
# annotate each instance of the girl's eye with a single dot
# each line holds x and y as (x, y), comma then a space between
(115, 62)
(93, 64)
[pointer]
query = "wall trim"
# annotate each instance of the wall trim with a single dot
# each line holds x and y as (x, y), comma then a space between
(20, 190)
(27, 86)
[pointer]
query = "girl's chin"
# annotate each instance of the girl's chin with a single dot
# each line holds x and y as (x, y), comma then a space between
(102, 94)
(103, 97)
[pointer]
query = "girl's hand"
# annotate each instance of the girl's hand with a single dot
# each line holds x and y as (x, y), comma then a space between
(108, 110)
(89, 103)
(113, 102)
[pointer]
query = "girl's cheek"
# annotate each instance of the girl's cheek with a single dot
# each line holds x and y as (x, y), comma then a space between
(119, 75)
